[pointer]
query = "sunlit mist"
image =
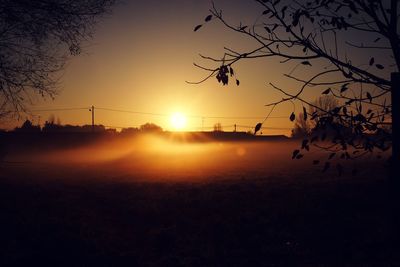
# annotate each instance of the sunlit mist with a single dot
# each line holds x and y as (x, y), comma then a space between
(175, 157)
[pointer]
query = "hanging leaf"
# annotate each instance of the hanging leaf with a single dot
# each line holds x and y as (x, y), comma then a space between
(304, 113)
(348, 75)
(369, 96)
(370, 118)
(295, 21)
(304, 143)
(299, 156)
(344, 110)
(237, 82)
(292, 116)
(231, 71)
(208, 18)
(258, 127)
(379, 66)
(327, 91)
(371, 61)
(295, 153)
(344, 88)
(336, 110)
(283, 10)
(197, 27)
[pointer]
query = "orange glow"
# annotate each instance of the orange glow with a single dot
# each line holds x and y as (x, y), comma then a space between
(144, 69)
(151, 158)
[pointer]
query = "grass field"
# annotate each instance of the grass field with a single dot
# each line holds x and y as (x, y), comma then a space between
(208, 204)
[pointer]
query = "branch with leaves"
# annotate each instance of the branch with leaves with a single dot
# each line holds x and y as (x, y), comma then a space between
(321, 36)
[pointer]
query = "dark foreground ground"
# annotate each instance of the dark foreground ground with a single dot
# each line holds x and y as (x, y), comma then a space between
(247, 220)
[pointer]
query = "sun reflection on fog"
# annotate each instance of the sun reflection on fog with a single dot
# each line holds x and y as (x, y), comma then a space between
(241, 151)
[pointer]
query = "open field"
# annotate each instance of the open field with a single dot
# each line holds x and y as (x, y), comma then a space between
(158, 203)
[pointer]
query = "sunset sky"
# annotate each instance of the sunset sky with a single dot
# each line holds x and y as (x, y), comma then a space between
(140, 58)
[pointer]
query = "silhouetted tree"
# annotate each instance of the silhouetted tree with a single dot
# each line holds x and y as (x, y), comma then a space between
(218, 127)
(150, 127)
(304, 127)
(324, 37)
(36, 38)
(130, 130)
(51, 126)
(28, 127)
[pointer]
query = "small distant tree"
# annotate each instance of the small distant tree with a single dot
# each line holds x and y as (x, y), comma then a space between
(150, 128)
(51, 126)
(304, 127)
(130, 130)
(51, 119)
(28, 127)
(218, 127)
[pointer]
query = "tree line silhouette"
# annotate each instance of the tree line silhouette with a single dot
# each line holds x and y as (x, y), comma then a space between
(56, 127)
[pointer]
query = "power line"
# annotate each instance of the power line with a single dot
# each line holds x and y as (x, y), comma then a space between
(133, 112)
(160, 114)
(58, 109)
(265, 127)
(190, 116)
(241, 118)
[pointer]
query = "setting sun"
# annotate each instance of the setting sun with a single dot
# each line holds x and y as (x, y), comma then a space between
(178, 121)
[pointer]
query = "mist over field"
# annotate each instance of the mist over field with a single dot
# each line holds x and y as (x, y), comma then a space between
(155, 158)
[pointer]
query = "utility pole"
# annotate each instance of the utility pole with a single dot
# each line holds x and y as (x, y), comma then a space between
(393, 175)
(92, 110)
(395, 79)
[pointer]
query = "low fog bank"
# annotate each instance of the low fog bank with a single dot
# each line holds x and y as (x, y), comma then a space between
(177, 157)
